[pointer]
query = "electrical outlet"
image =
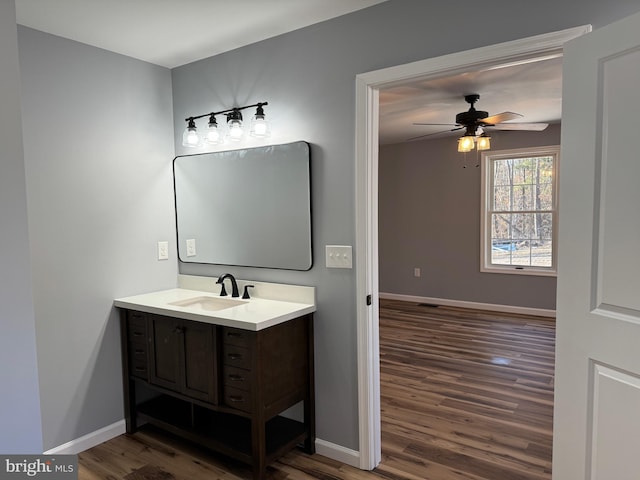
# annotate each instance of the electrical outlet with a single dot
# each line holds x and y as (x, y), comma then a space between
(163, 250)
(416, 272)
(191, 247)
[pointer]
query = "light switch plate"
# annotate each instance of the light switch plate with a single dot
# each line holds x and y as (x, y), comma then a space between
(163, 250)
(339, 256)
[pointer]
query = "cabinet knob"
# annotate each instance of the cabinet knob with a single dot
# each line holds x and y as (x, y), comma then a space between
(234, 356)
(236, 399)
(236, 378)
(178, 330)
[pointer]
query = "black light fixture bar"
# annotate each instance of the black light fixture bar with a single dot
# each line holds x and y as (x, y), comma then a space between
(234, 126)
(229, 110)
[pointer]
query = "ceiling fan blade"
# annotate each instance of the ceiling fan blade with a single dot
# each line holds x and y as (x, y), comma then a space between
(431, 134)
(443, 124)
(500, 117)
(534, 127)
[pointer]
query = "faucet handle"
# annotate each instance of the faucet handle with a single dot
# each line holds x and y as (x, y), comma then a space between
(223, 291)
(245, 294)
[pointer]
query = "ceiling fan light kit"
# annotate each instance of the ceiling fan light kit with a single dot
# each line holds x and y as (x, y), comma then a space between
(475, 121)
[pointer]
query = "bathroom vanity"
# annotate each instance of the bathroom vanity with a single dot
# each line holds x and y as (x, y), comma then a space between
(221, 371)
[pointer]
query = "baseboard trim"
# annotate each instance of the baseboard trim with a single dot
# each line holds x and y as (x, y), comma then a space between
(324, 448)
(542, 312)
(338, 452)
(89, 440)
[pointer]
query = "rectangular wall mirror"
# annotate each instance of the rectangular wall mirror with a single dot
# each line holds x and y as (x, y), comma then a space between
(248, 207)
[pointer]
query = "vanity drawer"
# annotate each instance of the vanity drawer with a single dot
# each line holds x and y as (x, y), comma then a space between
(138, 360)
(235, 356)
(236, 398)
(137, 344)
(236, 336)
(137, 327)
(237, 378)
(139, 369)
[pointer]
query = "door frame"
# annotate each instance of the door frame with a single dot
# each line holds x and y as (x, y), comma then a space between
(368, 85)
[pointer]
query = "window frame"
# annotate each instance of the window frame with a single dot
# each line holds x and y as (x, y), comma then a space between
(486, 201)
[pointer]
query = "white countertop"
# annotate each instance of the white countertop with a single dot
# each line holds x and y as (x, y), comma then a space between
(253, 314)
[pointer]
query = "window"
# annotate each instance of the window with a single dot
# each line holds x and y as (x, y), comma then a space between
(519, 211)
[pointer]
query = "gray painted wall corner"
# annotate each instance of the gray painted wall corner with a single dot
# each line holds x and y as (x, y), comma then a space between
(20, 419)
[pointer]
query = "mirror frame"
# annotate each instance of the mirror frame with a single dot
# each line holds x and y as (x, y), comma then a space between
(270, 258)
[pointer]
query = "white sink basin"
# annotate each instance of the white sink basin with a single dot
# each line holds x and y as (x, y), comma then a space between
(208, 304)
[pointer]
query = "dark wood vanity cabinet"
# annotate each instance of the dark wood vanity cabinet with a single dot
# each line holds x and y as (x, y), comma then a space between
(222, 387)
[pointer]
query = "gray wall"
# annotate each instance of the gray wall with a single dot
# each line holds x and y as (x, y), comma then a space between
(20, 430)
(98, 150)
(429, 217)
(307, 76)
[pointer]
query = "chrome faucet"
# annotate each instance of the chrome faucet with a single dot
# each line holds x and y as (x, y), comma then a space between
(234, 285)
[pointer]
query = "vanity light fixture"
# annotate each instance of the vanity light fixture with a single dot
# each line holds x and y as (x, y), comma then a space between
(235, 129)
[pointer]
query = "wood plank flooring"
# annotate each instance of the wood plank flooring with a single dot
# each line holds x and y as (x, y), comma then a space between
(465, 394)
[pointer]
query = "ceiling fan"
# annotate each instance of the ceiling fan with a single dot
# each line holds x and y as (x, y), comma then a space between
(474, 121)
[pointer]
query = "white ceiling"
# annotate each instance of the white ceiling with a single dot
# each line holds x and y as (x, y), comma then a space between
(171, 33)
(175, 32)
(533, 90)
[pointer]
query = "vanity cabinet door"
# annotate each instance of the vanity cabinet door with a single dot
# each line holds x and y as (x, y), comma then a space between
(200, 361)
(166, 350)
(183, 357)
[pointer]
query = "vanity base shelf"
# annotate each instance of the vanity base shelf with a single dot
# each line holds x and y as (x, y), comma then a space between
(222, 432)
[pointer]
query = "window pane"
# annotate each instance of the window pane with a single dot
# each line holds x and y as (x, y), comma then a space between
(501, 226)
(501, 243)
(502, 172)
(542, 253)
(522, 254)
(545, 169)
(544, 225)
(522, 226)
(544, 197)
(523, 197)
(502, 198)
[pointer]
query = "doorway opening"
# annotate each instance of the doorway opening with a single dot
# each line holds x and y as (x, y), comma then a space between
(368, 87)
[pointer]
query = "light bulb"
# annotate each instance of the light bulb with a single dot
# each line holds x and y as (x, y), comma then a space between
(465, 144)
(190, 137)
(235, 130)
(484, 142)
(259, 125)
(234, 124)
(213, 136)
(259, 128)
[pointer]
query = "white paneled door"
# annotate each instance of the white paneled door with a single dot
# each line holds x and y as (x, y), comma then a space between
(597, 407)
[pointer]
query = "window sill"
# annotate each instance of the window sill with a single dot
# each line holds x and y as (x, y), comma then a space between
(511, 270)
